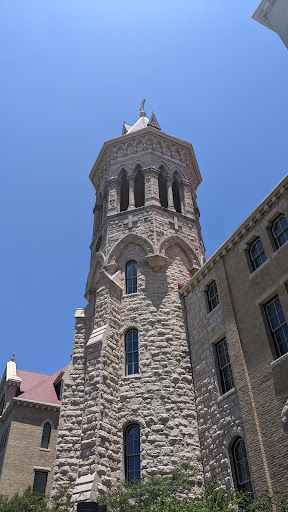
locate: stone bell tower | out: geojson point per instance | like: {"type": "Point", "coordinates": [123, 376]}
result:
{"type": "Point", "coordinates": [128, 405]}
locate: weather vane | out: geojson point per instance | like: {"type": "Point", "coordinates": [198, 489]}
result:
{"type": "Point", "coordinates": [13, 357]}
{"type": "Point", "coordinates": [142, 111]}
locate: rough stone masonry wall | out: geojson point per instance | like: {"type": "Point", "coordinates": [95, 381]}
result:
{"type": "Point", "coordinates": [219, 415]}
{"type": "Point", "coordinates": [152, 223]}
{"type": "Point", "coordinates": [161, 397]}
{"type": "Point", "coordinates": [100, 444]}
{"type": "Point", "coordinates": [70, 421]}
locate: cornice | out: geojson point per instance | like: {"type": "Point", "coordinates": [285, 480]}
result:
{"type": "Point", "coordinates": [261, 12]}
{"type": "Point", "coordinates": [267, 204]}
{"type": "Point", "coordinates": [35, 403]}
{"type": "Point", "coordinates": [180, 152]}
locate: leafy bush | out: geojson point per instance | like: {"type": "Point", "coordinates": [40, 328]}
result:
{"type": "Point", "coordinates": [31, 501]}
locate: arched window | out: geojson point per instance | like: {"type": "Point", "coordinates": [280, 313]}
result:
{"type": "Point", "coordinates": [176, 195]}
{"type": "Point", "coordinates": [131, 350]}
{"type": "Point", "coordinates": [46, 435]}
{"type": "Point", "coordinates": [132, 454]}
{"type": "Point", "coordinates": [162, 184]}
{"type": "Point", "coordinates": [257, 254]}
{"type": "Point", "coordinates": [242, 471]}
{"type": "Point", "coordinates": [139, 191]}
{"type": "Point", "coordinates": [131, 277]}
{"type": "Point", "coordinates": [280, 230]}
{"type": "Point", "coordinates": [124, 193]}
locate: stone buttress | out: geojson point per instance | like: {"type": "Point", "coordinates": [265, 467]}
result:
{"type": "Point", "coordinates": [146, 212]}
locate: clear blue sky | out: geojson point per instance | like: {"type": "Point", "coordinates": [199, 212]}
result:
{"type": "Point", "coordinates": [71, 73]}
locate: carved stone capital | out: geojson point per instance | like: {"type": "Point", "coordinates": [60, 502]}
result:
{"type": "Point", "coordinates": [111, 268]}
{"type": "Point", "coordinates": [156, 261]}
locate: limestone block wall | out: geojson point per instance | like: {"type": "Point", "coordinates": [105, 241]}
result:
{"type": "Point", "coordinates": [70, 422]}
{"type": "Point", "coordinates": [23, 449]}
{"type": "Point", "coordinates": [219, 415]}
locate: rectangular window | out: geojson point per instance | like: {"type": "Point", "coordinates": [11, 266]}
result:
{"type": "Point", "coordinates": [40, 481]}
{"type": "Point", "coordinates": [213, 297]}
{"type": "Point", "coordinates": [224, 365]}
{"type": "Point", "coordinates": [278, 326]}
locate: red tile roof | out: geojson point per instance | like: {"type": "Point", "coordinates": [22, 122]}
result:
{"type": "Point", "coordinates": [38, 386]}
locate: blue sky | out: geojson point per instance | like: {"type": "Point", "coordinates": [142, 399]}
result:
{"type": "Point", "coordinates": [71, 73]}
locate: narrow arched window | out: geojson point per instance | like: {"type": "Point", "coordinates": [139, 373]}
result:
{"type": "Point", "coordinates": [176, 195]}
{"type": "Point", "coordinates": [162, 184]}
{"type": "Point", "coordinates": [131, 350]}
{"type": "Point", "coordinates": [124, 193]}
{"type": "Point", "coordinates": [139, 189]}
{"type": "Point", "coordinates": [132, 454]}
{"type": "Point", "coordinates": [131, 277]}
{"type": "Point", "coordinates": [242, 471]}
{"type": "Point", "coordinates": [280, 230]}
{"type": "Point", "coordinates": [46, 435]}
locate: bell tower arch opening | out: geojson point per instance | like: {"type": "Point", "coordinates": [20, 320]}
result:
{"type": "Point", "coordinates": [139, 190]}
{"type": "Point", "coordinates": [176, 194]}
{"type": "Point", "coordinates": [162, 184]}
{"type": "Point", "coordinates": [124, 192]}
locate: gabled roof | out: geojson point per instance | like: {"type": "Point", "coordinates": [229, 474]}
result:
{"type": "Point", "coordinates": [39, 387]}
{"type": "Point", "coordinates": [142, 122]}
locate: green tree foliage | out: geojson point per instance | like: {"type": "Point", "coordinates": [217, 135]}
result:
{"type": "Point", "coordinates": [174, 493]}
{"type": "Point", "coordinates": [31, 501]}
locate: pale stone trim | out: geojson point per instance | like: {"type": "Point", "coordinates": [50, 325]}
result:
{"type": "Point", "coordinates": [231, 391]}
{"type": "Point", "coordinates": [41, 468]}
{"type": "Point", "coordinates": [233, 240]}
{"type": "Point", "coordinates": [279, 360]}
{"type": "Point", "coordinates": [47, 421]}
{"type": "Point", "coordinates": [98, 335]}
{"type": "Point", "coordinates": [35, 403]}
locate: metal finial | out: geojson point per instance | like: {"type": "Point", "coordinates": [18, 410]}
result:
{"type": "Point", "coordinates": [13, 357]}
{"type": "Point", "coordinates": [142, 111]}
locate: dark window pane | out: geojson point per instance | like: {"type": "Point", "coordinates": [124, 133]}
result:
{"type": "Point", "coordinates": [40, 481]}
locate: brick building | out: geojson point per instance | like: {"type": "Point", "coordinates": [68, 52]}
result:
{"type": "Point", "coordinates": [29, 414]}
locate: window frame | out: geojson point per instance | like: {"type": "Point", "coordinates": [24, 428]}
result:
{"type": "Point", "coordinates": [283, 231]}
{"type": "Point", "coordinates": [46, 436]}
{"type": "Point", "coordinates": [133, 454]}
{"type": "Point", "coordinates": [240, 485]}
{"type": "Point", "coordinates": [133, 279]}
{"type": "Point", "coordinates": [273, 331]}
{"type": "Point", "coordinates": [133, 352]}
{"type": "Point", "coordinates": [221, 368]}
{"type": "Point", "coordinates": [215, 296]}
{"type": "Point", "coordinates": [253, 259]}
{"type": "Point", "coordinates": [41, 490]}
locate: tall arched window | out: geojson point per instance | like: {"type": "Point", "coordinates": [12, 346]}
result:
{"type": "Point", "coordinates": [131, 277]}
{"type": "Point", "coordinates": [139, 191]}
{"type": "Point", "coordinates": [176, 195]}
{"type": "Point", "coordinates": [46, 435]}
{"type": "Point", "coordinates": [132, 454]}
{"type": "Point", "coordinates": [242, 471]}
{"type": "Point", "coordinates": [162, 190]}
{"type": "Point", "coordinates": [131, 351]}
{"type": "Point", "coordinates": [124, 193]}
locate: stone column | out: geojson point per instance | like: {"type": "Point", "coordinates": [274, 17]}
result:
{"type": "Point", "coordinates": [188, 208]}
{"type": "Point", "coordinates": [112, 186]}
{"type": "Point", "coordinates": [170, 194]}
{"type": "Point", "coordinates": [131, 204]}
{"type": "Point", "coordinates": [104, 207]}
{"type": "Point", "coordinates": [151, 186]}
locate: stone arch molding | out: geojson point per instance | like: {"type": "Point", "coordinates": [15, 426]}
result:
{"type": "Point", "coordinates": [124, 242]}
{"type": "Point", "coordinates": [98, 259]}
{"type": "Point", "coordinates": [232, 434]}
{"type": "Point", "coordinates": [169, 241]}
{"type": "Point", "coordinates": [47, 421]}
